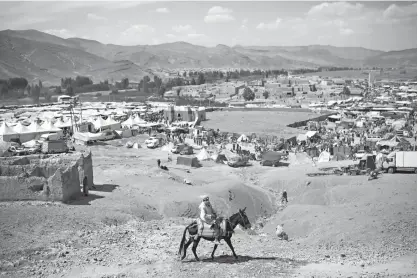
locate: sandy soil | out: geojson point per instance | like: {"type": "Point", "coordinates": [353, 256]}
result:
{"type": "Point", "coordinates": [131, 224]}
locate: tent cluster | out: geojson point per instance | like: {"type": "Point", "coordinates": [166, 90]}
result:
{"type": "Point", "coordinates": [26, 133]}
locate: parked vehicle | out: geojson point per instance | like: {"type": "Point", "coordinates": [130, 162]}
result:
{"type": "Point", "coordinates": [107, 135]}
{"type": "Point", "coordinates": [18, 151]}
{"type": "Point", "coordinates": [152, 142]}
{"type": "Point", "coordinates": [177, 148]}
{"type": "Point", "coordinates": [401, 161]}
{"type": "Point", "coordinates": [359, 154]}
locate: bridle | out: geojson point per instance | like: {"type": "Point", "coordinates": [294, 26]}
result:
{"type": "Point", "coordinates": [243, 219]}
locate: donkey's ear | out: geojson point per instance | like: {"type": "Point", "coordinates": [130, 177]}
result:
{"type": "Point", "coordinates": [244, 209]}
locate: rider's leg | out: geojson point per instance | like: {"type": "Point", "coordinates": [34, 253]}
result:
{"type": "Point", "coordinates": [217, 235]}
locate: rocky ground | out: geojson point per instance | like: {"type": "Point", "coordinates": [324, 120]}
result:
{"type": "Point", "coordinates": [132, 222]}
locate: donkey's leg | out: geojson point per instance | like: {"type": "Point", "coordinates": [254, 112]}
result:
{"type": "Point", "coordinates": [214, 249]}
{"type": "Point", "coordinates": [228, 241]}
{"type": "Point", "coordinates": [186, 246]}
{"type": "Point", "coordinates": [195, 244]}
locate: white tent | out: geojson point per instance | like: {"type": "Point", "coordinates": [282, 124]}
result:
{"type": "Point", "coordinates": [168, 147]}
{"type": "Point", "coordinates": [99, 123]}
{"type": "Point", "coordinates": [243, 137]}
{"type": "Point", "coordinates": [324, 157]}
{"type": "Point", "coordinates": [49, 127]}
{"type": "Point", "coordinates": [36, 128]}
{"type": "Point", "coordinates": [24, 133]}
{"type": "Point", "coordinates": [21, 129]}
{"type": "Point", "coordinates": [112, 123]}
{"type": "Point", "coordinates": [138, 120]}
{"type": "Point", "coordinates": [62, 124]}
{"type": "Point", "coordinates": [6, 133]}
{"type": "Point", "coordinates": [203, 155]}
{"type": "Point", "coordinates": [128, 123]}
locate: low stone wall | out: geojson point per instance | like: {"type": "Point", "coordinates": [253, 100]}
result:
{"type": "Point", "coordinates": [15, 188]}
{"type": "Point", "coordinates": [45, 177]}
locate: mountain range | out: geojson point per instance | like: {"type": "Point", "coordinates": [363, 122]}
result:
{"type": "Point", "coordinates": [36, 55]}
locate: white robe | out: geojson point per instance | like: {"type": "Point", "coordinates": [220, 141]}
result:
{"type": "Point", "coordinates": [206, 213]}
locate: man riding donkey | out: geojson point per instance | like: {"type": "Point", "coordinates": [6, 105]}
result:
{"type": "Point", "coordinates": [208, 216]}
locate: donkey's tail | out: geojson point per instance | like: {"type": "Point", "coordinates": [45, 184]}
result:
{"type": "Point", "coordinates": [184, 237]}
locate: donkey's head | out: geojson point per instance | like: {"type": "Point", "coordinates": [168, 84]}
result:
{"type": "Point", "coordinates": [243, 219]}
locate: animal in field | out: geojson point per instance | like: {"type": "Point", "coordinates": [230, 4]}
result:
{"type": "Point", "coordinates": [196, 233]}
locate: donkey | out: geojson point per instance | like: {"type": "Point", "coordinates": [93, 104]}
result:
{"type": "Point", "coordinates": [238, 218]}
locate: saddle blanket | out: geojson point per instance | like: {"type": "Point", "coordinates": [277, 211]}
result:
{"type": "Point", "coordinates": [204, 229]}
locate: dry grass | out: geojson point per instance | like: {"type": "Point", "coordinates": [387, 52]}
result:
{"type": "Point", "coordinates": [260, 122]}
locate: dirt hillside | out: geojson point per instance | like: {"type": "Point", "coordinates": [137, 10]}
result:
{"type": "Point", "coordinates": [132, 222]}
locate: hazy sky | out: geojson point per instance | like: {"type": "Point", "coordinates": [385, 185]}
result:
{"type": "Point", "coordinates": [377, 25]}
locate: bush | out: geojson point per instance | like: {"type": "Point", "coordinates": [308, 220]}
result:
{"type": "Point", "coordinates": [98, 94]}
{"type": "Point", "coordinates": [248, 94]}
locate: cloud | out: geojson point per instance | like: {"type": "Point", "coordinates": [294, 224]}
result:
{"type": "Point", "coordinates": [182, 28]}
{"type": "Point", "coordinates": [138, 29]}
{"type": "Point", "coordinates": [95, 16]}
{"type": "Point", "coordinates": [395, 12]}
{"type": "Point", "coordinates": [335, 9]}
{"type": "Point", "coordinates": [269, 26]}
{"type": "Point", "coordinates": [171, 36]}
{"type": "Point", "coordinates": [244, 21]}
{"type": "Point", "coordinates": [346, 31]}
{"type": "Point", "coordinates": [219, 10]}
{"type": "Point", "coordinates": [162, 10]}
{"type": "Point", "coordinates": [63, 33]}
{"type": "Point", "coordinates": [218, 14]}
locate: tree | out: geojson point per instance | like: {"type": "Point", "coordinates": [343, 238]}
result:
{"type": "Point", "coordinates": [29, 90]}
{"type": "Point", "coordinates": [184, 74]}
{"type": "Point", "coordinates": [17, 83]}
{"type": "Point", "coordinates": [57, 90]}
{"type": "Point", "coordinates": [81, 81]}
{"type": "Point", "coordinates": [125, 83]}
{"type": "Point", "coordinates": [145, 81]}
{"type": "Point", "coordinates": [70, 91]}
{"type": "Point", "coordinates": [161, 91]}
{"type": "Point", "coordinates": [266, 94]}
{"type": "Point", "coordinates": [36, 92]}
{"type": "Point", "coordinates": [293, 91]}
{"type": "Point", "coordinates": [193, 81]}
{"type": "Point", "coordinates": [248, 94]}
{"type": "Point", "coordinates": [346, 91]}
{"type": "Point", "coordinates": [201, 79]}
{"type": "Point", "coordinates": [221, 74]}
{"type": "Point", "coordinates": [178, 92]}
{"type": "Point", "coordinates": [40, 84]}
{"type": "Point", "coordinates": [157, 81]}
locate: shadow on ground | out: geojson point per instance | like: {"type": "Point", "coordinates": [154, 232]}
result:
{"type": "Point", "coordinates": [104, 187]}
{"type": "Point", "coordinates": [242, 259]}
{"type": "Point", "coordinates": [84, 200]}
